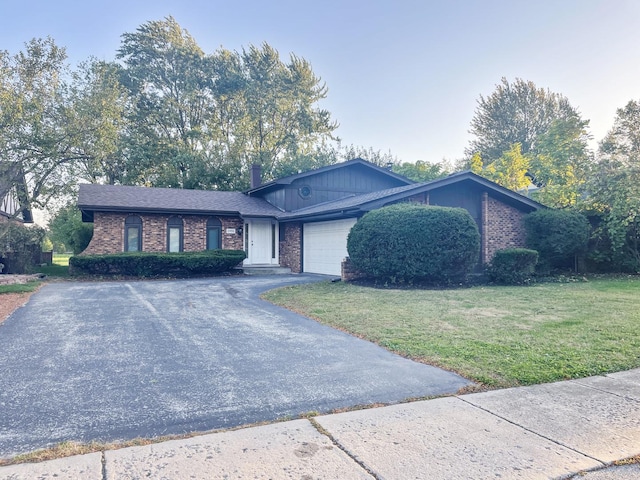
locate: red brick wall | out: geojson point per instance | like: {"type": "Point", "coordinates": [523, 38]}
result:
{"type": "Point", "coordinates": [290, 247]}
{"type": "Point", "coordinates": [503, 227]}
{"type": "Point", "coordinates": [108, 233]}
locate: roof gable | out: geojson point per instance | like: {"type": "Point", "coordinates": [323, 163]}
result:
{"type": "Point", "coordinates": [370, 167]}
{"type": "Point", "coordinates": [334, 182]}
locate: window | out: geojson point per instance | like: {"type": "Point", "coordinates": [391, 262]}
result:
{"type": "Point", "coordinates": [133, 234]}
{"type": "Point", "coordinates": [214, 234]}
{"type": "Point", "coordinates": [305, 191]}
{"type": "Point", "coordinates": [174, 234]}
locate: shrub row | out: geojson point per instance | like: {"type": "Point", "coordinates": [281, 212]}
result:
{"type": "Point", "coordinates": [157, 264]}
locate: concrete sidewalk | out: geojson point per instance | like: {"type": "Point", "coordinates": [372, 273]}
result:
{"type": "Point", "coordinates": [545, 431]}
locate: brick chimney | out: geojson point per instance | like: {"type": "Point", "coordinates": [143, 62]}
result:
{"type": "Point", "coordinates": [256, 174]}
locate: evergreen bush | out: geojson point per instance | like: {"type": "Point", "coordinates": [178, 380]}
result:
{"type": "Point", "coordinates": [512, 266]}
{"type": "Point", "coordinates": [415, 243]}
{"type": "Point", "coordinates": [143, 264]}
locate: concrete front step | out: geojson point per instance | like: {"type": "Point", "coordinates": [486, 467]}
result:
{"type": "Point", "coordinates": [265, 270]}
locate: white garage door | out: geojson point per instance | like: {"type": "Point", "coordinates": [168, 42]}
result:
{"type": "Point", "coordinates": [325, 245]}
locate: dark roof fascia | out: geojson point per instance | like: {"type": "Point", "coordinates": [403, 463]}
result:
{"type": "Point", "coordinates": [182, 211]}
{"type": "Point", "coordinates": [89, 209]}
{"type": "Point", "coordinates": [356, 161]}
{"type": "Point", "coordinates": [326, 215]}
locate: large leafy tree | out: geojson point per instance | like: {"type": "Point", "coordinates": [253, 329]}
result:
{"type": "Point", "coordinates": [99, 106]}
{"type": "Point", "coordinates": [516, 112]}
{"type": "Point", "coordinates": [201, 121]}
{"type": "Point", "coordinates": [164, 114]}
{"type": "Point", "coordinates": [560, 163]}
{"type": "Point", "coordinates": [615, 185]}
{"type": "Point", "coordinates": [281, 119]}
{"type": "Point", "coordinates": [164, 72]}
{"type": "Point", "coordinates": [36, 137]}
{"type": "Point", "coordinates": [551, 135]}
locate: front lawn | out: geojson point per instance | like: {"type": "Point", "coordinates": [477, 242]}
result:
{"type": "Point", "coordinates": [20, 287]}
{"type": "Point", "coordinates": [498, 336]}
{"type": "Point", "coordinates": [59, 268]}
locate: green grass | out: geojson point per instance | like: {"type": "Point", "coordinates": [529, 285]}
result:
{"type": "Point", "coordinates": [62, 259]}
{"type": "Point", "coordinates": [59, 268]}
{"type": "Point", "coordinates": [19, 287]}
{"type": "Point", "coordinates": [498, 336]}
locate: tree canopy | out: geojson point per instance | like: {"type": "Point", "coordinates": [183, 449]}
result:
{"type": "Point", "coordinates": [36, 138]}
{"type": "Point", "coordinates": [421, 171]}
{"type": "Point", "coordinates": [528, 135]}
{"type": "Point", "coordinates": [615, 185]}
{"type": "Point", "coordinates": [201, 120]}
{"type": "Point", "coordinates": [164, 113]}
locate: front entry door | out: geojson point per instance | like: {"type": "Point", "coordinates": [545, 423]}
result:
{"type": "Point", "coordinates": [260, 238]}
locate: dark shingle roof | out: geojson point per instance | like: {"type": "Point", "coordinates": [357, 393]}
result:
{"type": "Point", "coordinates": [142, 199]}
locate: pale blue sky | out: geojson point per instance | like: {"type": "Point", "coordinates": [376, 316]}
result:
{"type": "Point", "coordinates": [403, 75]}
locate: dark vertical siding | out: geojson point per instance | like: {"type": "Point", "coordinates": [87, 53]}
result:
{"type": "Point", "coordinates": [332, 185]}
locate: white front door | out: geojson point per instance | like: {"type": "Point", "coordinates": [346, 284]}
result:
{"type": "Point", "coordinates": [261, 242]}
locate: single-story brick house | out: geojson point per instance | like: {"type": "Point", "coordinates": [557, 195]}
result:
{"type": "Point", "coordinates": [300, 222]}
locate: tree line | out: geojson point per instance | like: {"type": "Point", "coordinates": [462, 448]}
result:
{"type": "Point", "coordinates": [534, 141]}
{"type": "Point", "coordinates": [165, 113]}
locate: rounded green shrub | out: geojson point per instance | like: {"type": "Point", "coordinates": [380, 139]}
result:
{"type": "Point", "coordinates": [557, 235]}
{"type": "Point", "coordinates": [409, 243]}
{"type": "Point", "coordinates": [512, 266]}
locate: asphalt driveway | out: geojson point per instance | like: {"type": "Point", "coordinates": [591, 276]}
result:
{"type": "Point", "coordinates": [118, 360]}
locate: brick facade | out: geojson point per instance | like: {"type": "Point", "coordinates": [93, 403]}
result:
{"type": "Point", "coordinates": [502, 227]}
{"type": "Point", "coordinates": [348, 272]}
{"type": "Point", "coordinates": [108, 233]}
{"type": "Point", "coordinates": [290, 245]}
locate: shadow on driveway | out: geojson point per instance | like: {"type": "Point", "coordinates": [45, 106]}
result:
{"type": "Point", "coordinates": [118, 360]}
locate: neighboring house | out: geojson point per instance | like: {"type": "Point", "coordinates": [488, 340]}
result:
{"type": "Point", "coordinates": [301, 221]}
{"type": "Point", "coordinates": [13, 194]}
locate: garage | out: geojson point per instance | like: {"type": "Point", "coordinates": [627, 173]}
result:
{"type": "Point", "coordinates": [325, 245]}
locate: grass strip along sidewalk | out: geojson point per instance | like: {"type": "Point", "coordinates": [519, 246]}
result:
{"type": "Point", "coordinates": [498, 336]}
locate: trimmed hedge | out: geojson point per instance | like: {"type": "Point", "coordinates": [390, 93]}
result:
{"type": "Point", "coordinates": [409, 242]}
{"type": "Point", "coordinates": [513, 266]}
{"type": "Point", "coordinates": [143, 264]}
